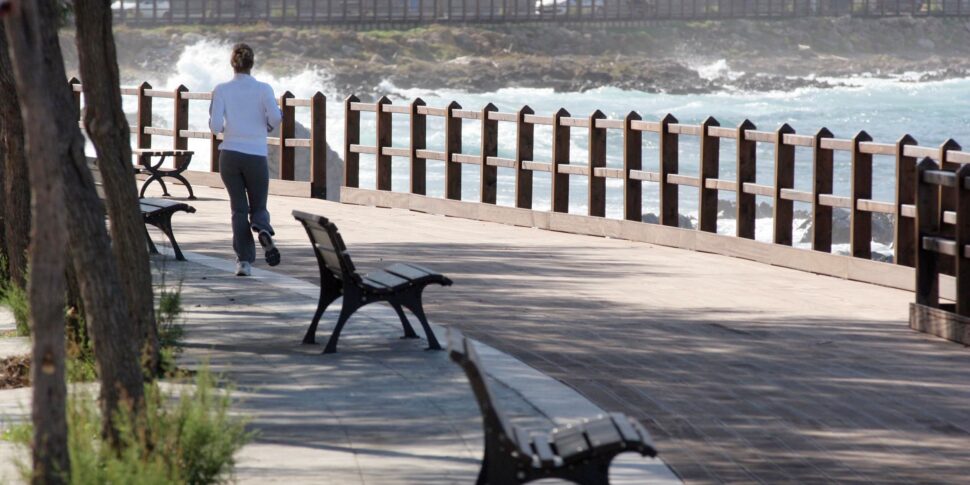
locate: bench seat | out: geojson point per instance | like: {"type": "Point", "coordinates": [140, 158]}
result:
{"type": "Point", "coordinates": [580, 453]}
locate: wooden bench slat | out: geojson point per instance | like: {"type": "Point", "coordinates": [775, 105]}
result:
{"type": "Point", "coordinates": [570, 442]}
{"type": "Point", "coordinates": [540, 444]}
{"type": "Point", "coordinates": [624, 427]}
{"type": "Point", "coordinates": [602, 433]}
{"type": "Point", "coordinates": [384, 280]}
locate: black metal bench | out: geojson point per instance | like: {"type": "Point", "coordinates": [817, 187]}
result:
{"type": "Point", "coordinates": [400, 285]}
{"type": "Point", "coordinates": [154, 211]}
{"type": "Point", "coordinates": [158, 212]}
{"type": "Point", "coordinates": [155, 172]}
{"type": "Point", "coordinates": [579, 453]}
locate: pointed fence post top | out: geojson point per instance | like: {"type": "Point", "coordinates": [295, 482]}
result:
{"type": "Point", "coordinates": [710, 121]}
{"type": "Point", "coordinates": [824, 132]}
{"type": "Point", "coordinates": [561, 113]}
{"type": "Point", "coordinates": [668, 119]}
{"type": "Point", "coordinates": [632, 116]}
{"type": "Point", "coordinates": [181, 89]}
{"type": "Point", "coordinates": [352, 99]}
{"type": "Point", "coordinates": [452, 106]}
{"type": "Point", "coordinates": [525, 110]}
{"type": "Point", "coordinates": [489, 107]}
{"type": "Point", "coordinates": [383, 100]}
{"type": "Point", "coordinates": [144, 85]}
{"type": "Point", "coordinates": [949, 144]}
{"type": "Point", "coordinates": [927, 163]}
{"type": "Point", "coordinates": [861, 136]}
{"type": "Point", "coordinates": [417, 102]}
{"type": "Point", "coordinates": [786, 129]}
{"type": "Point", "coordinates": [907, 139]}
{"type": "Point", "coordinates": [746, 124]}
{"type": "Point", "coordinates": [318, 96]}
{"type": "Point", "coordinates": [597, 115]}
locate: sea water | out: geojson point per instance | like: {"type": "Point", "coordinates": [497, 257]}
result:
{"type": "Point", "coordinates": [884, 107]}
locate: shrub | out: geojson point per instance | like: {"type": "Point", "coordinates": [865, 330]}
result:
{"type": "Point", "coordinates": [15, 298]}
{"type": "Point", "coordinates": [187, 439]}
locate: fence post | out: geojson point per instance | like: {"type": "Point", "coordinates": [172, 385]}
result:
{"type": "Point", "coordinates": [489, 173]}
{"type": "Point", "coordinates": [76, 96]}
{"type": "Point", "coordinates": [747, 161]}
{"type": "Point", "coordinates": [669, 164]}
{"type": "Point", "coordinates": [144, 117]}
{"type": "Point", "coordinates": [351, 137]}
{"type": "Point", "coordinates": [318, 145]}
{"type": "Point", "coordinates": [597, 159]}
{"type": "Point", "coordinates": [948, 200]}
{"type": "Point", "coordinates": [523, 151]}
{"type": "Point", "coordinates": [708, 168]}
{"type": "Point", "coordinates": [418, 142]}
{"type": "Point", "coordinates": [560, 156]}
{"type": "Point", "coordinates": [181, 119]}
{"type": "Point", "coordinates": [452, 146]}
{"type": "Point", "coordinates": [904, 244]}
{"type": "Point", "coordinates": [927, 223]}
{"type": "Point", "coordinates": [962, 238]}
{"type": "Point", "coordinates": [860, 222]}
{"type": "Point", "coordinates": [383, 139]}
{"type": "Point", "coordinates": [822, 169]}
{"type": "Point", "coordinates": [784, 179]}
{"type": "Point", "coordinates": [287, 131]}
{"type": "Point", "coordinates": [632, 160]}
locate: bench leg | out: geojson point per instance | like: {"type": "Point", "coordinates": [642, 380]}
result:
{"type": "Point", "coordinates": [153, 178]}
{"type": "Point", "coordinates": [408, 329]}
{"type": "Point", "coordinates": [413, 303]}
{"type": "Point", "coordinates": [327, 296]}
{"type": "Point", "coordinates": [151, 244]}
{"type": "Point", "coordinates": [165, 224]}
{"type": "Point", "coordinates": [180, 178]}
{"type": "Point", "coordinates": [345, 312]}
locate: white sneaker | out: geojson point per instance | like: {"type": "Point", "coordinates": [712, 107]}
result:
{"type": "Point", "coordinates": [243, 268]}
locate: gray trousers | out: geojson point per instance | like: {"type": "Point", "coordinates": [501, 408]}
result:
{"type": "Point", "coordinates": [247, 179]}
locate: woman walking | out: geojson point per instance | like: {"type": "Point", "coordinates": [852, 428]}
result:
{"type": "Point", "coordinates": [245, 110]}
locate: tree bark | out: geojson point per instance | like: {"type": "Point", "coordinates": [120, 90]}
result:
{"type": "Point", "coordinates": [105, 304]}
{"type": "Point", "coordinates": [16, 186]}
{"type": "Point", "coordinates": [107, 127]}
{"type": "Point", "coordinates": [47, 149]}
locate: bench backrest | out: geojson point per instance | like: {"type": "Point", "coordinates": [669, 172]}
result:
{"type": "Point", "coordinates": [462, 351]}
{"type": "Point", "coordinates": [329, 247]}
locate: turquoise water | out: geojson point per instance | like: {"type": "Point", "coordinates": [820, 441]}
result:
{"type": "Point", "coordinates": [885, 108]}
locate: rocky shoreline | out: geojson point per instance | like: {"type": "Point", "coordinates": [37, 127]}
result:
{"type": "Point", "coordinates": [665, 57]}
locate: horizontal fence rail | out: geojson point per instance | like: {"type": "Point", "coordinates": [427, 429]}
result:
{"type": "Point", "coordinates": [374, 12]}
{"type": "Point", "coordinates": [180, 97]}
{"type": "Point", "coordinates": [860, 148]}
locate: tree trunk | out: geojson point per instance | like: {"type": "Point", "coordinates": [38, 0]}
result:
{"type": "Point", "coordinates": [16, 186]}
{"type": "Point", "coordinates": [107, 128]}
{"type": "Point", "coordinates": [104, 301]}
{"type": "Point", "coordinates": [47, 149]}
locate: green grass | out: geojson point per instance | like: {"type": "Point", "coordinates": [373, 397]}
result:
{"type": "Point", "coordinates": [189, 439]}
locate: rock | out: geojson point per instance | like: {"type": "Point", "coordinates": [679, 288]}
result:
{"type": "Point", "coordinates": [882, 228]}
{"type": "Point", "coordinates": [683, 221]}
{"type": "Point", "coordinates": [190, 38]}
{"type": "Point", "coordinates": [335, 165]}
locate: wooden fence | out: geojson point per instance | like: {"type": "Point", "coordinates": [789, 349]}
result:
{"type": "Point", "coordinates": [860, 148]}
{"type": "Point", "coordinates": [379, 12]}
{"type": "Point", "coordinates": [942, 241]}
{"type": "Point", "coordinates": [180, 98]}
{"type": "Point", "coordinates": [909, 245]}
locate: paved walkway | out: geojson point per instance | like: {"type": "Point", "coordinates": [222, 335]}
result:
{"type": "Point", "coordinates": [744, 372]}
{"type": "Point", "coordinates": [381, 411]}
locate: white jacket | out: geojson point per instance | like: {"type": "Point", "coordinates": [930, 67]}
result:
{"type": "Point", "coordinates": [244, 110]}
